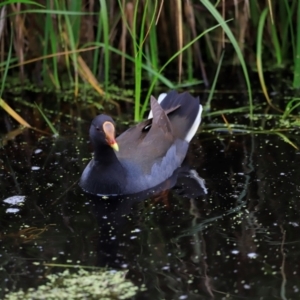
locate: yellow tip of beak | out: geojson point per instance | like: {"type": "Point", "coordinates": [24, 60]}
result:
{"type": "Point", "coordinates": [115, 146]}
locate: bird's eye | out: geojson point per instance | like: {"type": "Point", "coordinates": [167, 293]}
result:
{"type": "Point", "coordinates": [97, 128]}
{"type": "Point", "coordinates": [147, 127]}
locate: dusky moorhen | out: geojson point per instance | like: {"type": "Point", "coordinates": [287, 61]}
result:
{"type": "Point", "coordinates": [146, 154]}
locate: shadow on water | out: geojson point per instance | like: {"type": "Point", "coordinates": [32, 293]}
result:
{"type": "Point", "coordinates": [115, 212]}
{"type": "Point", "coordinates": [240, 240]}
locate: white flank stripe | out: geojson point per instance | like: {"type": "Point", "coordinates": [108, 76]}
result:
{"type": "Point", "coordinates": [195, 126]}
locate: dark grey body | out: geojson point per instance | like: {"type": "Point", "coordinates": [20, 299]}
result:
{"type": "Point", "coordinates": [149, 152]}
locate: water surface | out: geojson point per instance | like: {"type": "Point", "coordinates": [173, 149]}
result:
{"type": "Point", "coordinates": [238, 241]}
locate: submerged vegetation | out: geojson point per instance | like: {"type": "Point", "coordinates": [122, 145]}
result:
{"type": "Point", "coordinates": [84, 45]}
{"type": "Point", "coordinates": [81, 285]}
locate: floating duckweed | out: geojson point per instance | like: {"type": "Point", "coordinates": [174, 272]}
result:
{"type": "Point", "coordinates": [82, 285]}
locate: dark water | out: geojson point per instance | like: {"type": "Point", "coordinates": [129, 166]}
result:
{"type": "Point", "coordinates": [241, 240]}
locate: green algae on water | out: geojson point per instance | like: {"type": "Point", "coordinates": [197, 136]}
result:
{"type": "Point", "coordinates": [82, 285]}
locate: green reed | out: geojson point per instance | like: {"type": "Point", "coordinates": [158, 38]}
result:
{"type": "Point", "coordinates": [6, 65]}
{"type": "Point", "coordinates": [152, 47]}
{"type": "Point", "coordinates": [170, 60]}
{"type": "Point", "coordinates": [207, 106]}
{"type": "Point", "coordinates": [138, 55]}
{"type": "Point", "coordinates": [50, 46]}
{"type": "Point", "coordinates": [105, 33]}
{"type": "Point", "coordinates": [145, 38]}
{"type": "Point", "coordinates": [259, 52]}
{"type": "Point", "coordinates": [235, 45]}
{"type": "Point", "coordinates": [291, 106]}
{"type": "Point", "coordinates": [49, 123]}
{"type": "Point", "coordinates": [71, 40]}
{"type": "Point", "coordinates": [296, 81]}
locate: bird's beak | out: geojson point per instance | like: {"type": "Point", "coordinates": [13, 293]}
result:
{"type": "Point", "coordinates": [109, 130]}
{"type": "Point", "coordinates": [115, 146]}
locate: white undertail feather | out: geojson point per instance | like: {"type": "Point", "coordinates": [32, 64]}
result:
{"type": "Point", "coordinates": [160, 98]}
{"type": "Point", "coordinates": [195, 126]}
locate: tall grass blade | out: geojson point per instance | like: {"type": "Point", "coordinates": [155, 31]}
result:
{"type": "Point", "coordinates": [70, 40]}
{"type": "Point", "coordinates": [288, 36]}
{"type": "Point", "coordinates": [152, 50]}
{"type": "Point", "coordinates": [212, 90]}
{"type": "Point", "coordinates": [138, 55]}
{"type": "Point", "coordinates": [271, 11]}
{"type": "Point", "coordinates": [75, 20]}
{"type": "Point", "coordinates": [13, 113]}
{"type": "Point", "coordinates": [235, 44]}
{"type": "Point", "coordinates": [296, 81]}
{"type": "Point", "coordinates": [50, 36]}
{"type": "Point", "coordinates": [7, 62]}
{"type": "Point", "coordinates": [276, 45]}
{"type": "Point", "coordinates": [145, 104]}
{"type": "Point", "coordinates": [104, 24]}
{"type": "Point", "coordinates": [11, 135]}
{"type": "Point", "coordinates": [3, 3]}
{"type": "Point", "coordinates": [190, 16]}
{"type": "Point", "coordinates": [292, 105]}
{"type": "Point", "coordinates": [54, 131]}
{"type": "Point", "coordinates": [189, 62]}
{"type": "Point", "coordinates": [179, 32]}
{"type": "Point", "coordinates": [2, 20]}
{"type": "Point", "coordinates": [286, 139]}
{"type": "Point", "coordinates": [96, 60]}
{"type": "Point", "coordinates": [88, 76]}
{"type": "Point", "coordinates": [259, 51]}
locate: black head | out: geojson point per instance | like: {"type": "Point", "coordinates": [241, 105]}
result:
{"type": "Point", "coordinates": [102, 132]}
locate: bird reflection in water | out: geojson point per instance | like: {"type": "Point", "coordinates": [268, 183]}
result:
{"type": "Point", "coordinates": [114, 213]}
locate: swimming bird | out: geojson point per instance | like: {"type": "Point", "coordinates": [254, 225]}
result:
{"type": "Point", "coordinates": [146, 154]}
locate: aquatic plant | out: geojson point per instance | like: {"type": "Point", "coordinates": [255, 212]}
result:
{"type": "Point", "coordinates": [140, 29]}
{"type": "Point", "coordinates": [79, 45]}
{"type": "Point", "coordinates": [81, 285]}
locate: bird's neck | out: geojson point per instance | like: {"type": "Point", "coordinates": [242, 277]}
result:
{"type": "Point", "coordinates": [108, 171]}
{"type": "Point", "coordinates": [105, 155]}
